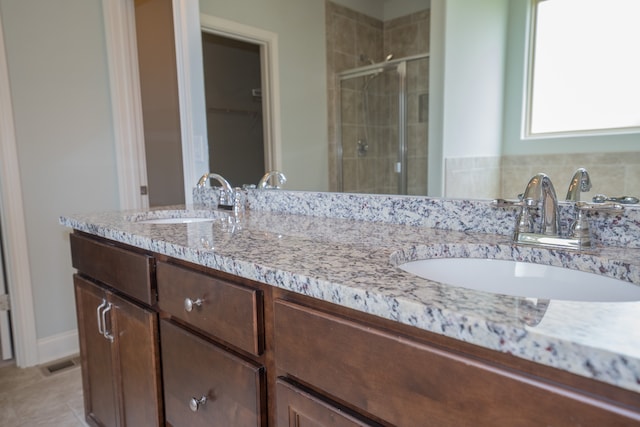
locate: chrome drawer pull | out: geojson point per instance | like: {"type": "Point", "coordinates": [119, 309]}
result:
{"type": "Point", "coordinates": [194, 404]}
{"type": "Point", "coordinates": [106, 333]}
{"type": "Point", "coordinates": [189, 304]}
{"type": "Point", "coordinates": [98, 315]}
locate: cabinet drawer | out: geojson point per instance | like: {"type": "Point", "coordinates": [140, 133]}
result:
{"type": "Point", "coordinates": [408, 383]}
{"type": "Point", "coordinates": [126, 271]}
{"type": "Point", "coordinates": [299, 408]}
{"type": "Point", "coordinates": [193, 368]}
{"type": "Point", "coordinates": [227, 311]}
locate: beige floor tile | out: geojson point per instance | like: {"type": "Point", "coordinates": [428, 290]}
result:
{"type": "Point", "coordinates": [30, 398]}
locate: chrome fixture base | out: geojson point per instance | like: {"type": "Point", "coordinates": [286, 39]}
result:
{"type": "Point", "coordinates": [543, 240]}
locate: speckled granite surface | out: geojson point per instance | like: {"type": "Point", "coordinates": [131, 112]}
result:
{"type": "Point", "coordinates": [324, 248]}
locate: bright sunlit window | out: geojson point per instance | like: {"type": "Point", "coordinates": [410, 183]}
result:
{"type": "Point", "coordinates": [585, 74]}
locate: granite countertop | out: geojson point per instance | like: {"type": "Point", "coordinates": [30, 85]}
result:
{"type": "Point", "coordinates": [353, 263]}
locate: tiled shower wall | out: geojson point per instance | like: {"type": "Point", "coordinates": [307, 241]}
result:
{"type": "Point", "coordinates": [351, 35]}
{"type": "Point", "coordinates": [613, 174]}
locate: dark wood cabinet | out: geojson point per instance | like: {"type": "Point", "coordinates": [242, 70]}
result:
{"type": "Point", "coordinates": [98, 367]}
{"type": "Point", "coordinates": [406, 382]}
{"type": "Point", "coordinates": [225, 310]}
{"type": "Point", "coordinates": [205, 385]}
{"type": "Point", "coordinates": [212, 343]}
{"type": "Point", "coordinates": [119, 342]}
{"type": "Point", "coordinates": [232, 352]}
{"type": "Point", "coordinates": [120, 358]}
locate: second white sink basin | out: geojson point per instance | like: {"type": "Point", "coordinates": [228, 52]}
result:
{"type": "Point", "coordinates": [186, 220]}
{"type": "Point", "coordinates": [523, 279]}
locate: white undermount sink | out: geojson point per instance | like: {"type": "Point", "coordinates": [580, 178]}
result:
{"type": "Point", "coordinates": [174, 220]}
{"type": "Point", "coordinates": [523, 279]}
{"type": "Point", "coordinates": [176, 216]}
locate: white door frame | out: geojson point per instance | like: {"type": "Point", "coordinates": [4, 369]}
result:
{"type": "Point", "coordinates": [188, 25]}
{"type": "Point", "coordinates": [125, 90]}
{"type": "Point", "coordinates": [14, 228]}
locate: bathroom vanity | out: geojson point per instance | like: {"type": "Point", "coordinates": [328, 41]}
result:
{"type": "Point", "coordinates": [281, 319]}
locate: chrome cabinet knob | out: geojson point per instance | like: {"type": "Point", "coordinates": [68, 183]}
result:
{"type": "Point", "coordinates": [190, 303]}
{"type": "Point", "coordinates": [195, 403]}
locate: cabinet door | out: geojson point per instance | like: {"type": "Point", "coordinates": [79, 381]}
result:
{"type": "Point", "coordinates": [136, 336]}
{"type": "Point", "coordinates": [297, 408]}
{"type": "Point", "coordinates": [98, 370]}
{"type": "Point", "coordinates": [205, 385]}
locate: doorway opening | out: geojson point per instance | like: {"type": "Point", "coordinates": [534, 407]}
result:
{"type": "Point", "coordinates": [233, 98]}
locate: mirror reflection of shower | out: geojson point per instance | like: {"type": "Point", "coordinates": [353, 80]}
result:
{"type": "Point", "coordinates": [383, 126]}
{"type": "Point", "coordinates": [363, 143]}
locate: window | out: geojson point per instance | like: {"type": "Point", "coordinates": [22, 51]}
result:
{"type": "Point", "coordinates": [585, 68]}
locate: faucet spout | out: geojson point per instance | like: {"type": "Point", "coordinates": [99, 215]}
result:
{"type": "Point", "coordinates": [580, 182]}
{"type": "Point", "coordinates": [226, 194]}
{"type": "Point", "coordinates": [540, 190]}
{"type": "Point", "coordinates": [264, 181]}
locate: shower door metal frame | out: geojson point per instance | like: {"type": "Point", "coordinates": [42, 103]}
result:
{"type": "Point", "coordinates": [400, 66]}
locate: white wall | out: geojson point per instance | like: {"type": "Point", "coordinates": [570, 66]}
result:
{"type": "Point", "coordinates": [475, 42]}
{"type": "Point", "coordinates": [303, 79]}
{"type": "Point", "coordinates": [58, 77]}
{"type": "Point", "coordinates": [466, 88]}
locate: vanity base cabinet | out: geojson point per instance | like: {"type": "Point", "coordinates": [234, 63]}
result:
{"type": "Point", "coordinates": [205, 385]}
{"type": "Point", "coordinates": [406, 382]}
{"type": "Point", "coordinates": [118, 333]}
{"type": "Point", "coordinates": [119, 358]}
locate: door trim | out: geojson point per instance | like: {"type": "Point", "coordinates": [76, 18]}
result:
{"type": "Point", "coordinates": [126, 103]}
{"type": "Point", "coordinates": [14, 228]}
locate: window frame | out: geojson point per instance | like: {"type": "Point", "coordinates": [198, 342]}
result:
{"type": "Point", "coordinates": [527, 133]}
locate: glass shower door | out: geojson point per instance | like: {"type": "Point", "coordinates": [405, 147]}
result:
{"type": "Point", "coordinates": [382, 127]}
{"type": "Point", "coordinates": [369, 126]}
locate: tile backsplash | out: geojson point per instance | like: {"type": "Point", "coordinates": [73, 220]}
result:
{"type": "Point", "coordinates": [613, 174]}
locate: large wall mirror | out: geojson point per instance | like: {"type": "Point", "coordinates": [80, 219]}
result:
{"type": "Point", "coordinates": [464, 67]}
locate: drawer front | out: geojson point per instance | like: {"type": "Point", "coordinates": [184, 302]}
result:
{"type": "Point", "coordinates": [192, 368]}
{"type": "Point", "coordinates": [411, 384]}
{"type": "Point", "coordinates": [298, 408]}
{"type": "Point", "coordinates": [227, 311]}
{"type": "Point", "coordinates": [126, 271]}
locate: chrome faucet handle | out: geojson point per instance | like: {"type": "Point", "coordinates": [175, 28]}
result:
{"type": "Point", "coordinates": [625, 200]}
{"type": "Point", "coordinates": [608, 207]}
{"type": "Point", "coordinates": [504, 203]}
{"type": "Point", "coordinates": [579, 228]}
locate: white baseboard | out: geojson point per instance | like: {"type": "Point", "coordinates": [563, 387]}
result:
{"type": "Point", "coordinates": [58, 346]}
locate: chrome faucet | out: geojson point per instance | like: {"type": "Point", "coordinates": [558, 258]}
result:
{"type": "Point", "coordinates": [540, 193]}
{"type": "Point", "coordinates": [264, 181]}
{"type": "Point", "coordinates": [581, 182]}
{"type": "Point", "coordinates": [227, 195]}
{"type": "Point", "coordinates": [539, 190]}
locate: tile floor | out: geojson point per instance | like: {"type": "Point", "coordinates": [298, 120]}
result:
{"type": "Point", "coordinates": [30, 398]}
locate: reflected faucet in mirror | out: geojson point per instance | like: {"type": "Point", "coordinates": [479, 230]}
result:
{"type": "Point", "coordinates": [271, 176]}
